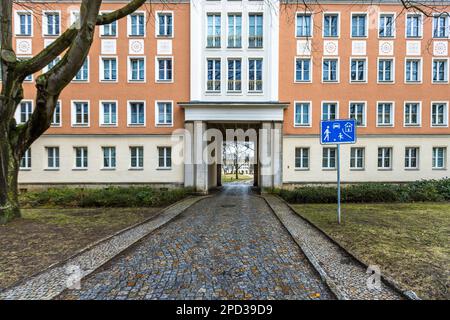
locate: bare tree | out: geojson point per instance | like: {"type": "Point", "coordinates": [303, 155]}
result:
{"type": "Point", "coordinates": [239, 152]}
{"type": "Point", "coordinates": [75, 43]}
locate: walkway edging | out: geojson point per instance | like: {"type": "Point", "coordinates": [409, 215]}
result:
{"type": "Point", "coordinates": [22, 289]}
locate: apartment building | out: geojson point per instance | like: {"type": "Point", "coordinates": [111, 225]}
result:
{"type": "Point", "coordinates": [262, 64]}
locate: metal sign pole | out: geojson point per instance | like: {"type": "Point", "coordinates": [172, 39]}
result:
{"type": "Point", "coordinates": [339, 182]}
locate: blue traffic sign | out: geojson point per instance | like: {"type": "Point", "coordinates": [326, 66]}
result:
{"type": "Point", "coordinates": [338, 131]}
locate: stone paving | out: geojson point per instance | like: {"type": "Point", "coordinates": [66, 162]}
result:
{"type": "Point", "coordinates": [230, 246]}
{"type": "Point", "coordinates": [54, 280]}
{"type": "Point", "coordinates": [343, 273]}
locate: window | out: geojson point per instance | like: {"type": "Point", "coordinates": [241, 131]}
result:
{"type": "Point", "coordinates": [80, 115]}
{"type": "Point", "coordinates": [25, 162]}
{"type": "Point", "coordinates": [384, 158]}
{"type": "Point", "coordinates": [413, 26]}
{"type": "Point", "coordinates": [56, 120]}
{"type": "Point", "coordinates": [329, 158]}
{"type": "Point", "coordinates": [214, 75]}
{"type": "Point", "coordinates": [136, 114]}
{"type": "Point", "coordinates": [234, 30]}
{"type": "Point", "coordinates": [302, 114]}
{"type": "Point", "coordinates": [413, 72]}
{"type": "Point", "coordinates": [358, 70]}
{"type": "Point", "coordinates": [83, 73]}
{"type": "Point", "coordinates": [81, 157]}
{"type": "Point", "coordinates": [165, 24]}
{"type": "Point", "coordinates": [412, 114]}
{"type": "Point", "coordinates": [164, 157]}
{"type": "Point", "coordinates": [51, 64]}
{"type": "Point", "coordinates": [411, 158]}
{"type": "Point", "coordinates": [52, 157]}
{"type": "Point", "coordinates": [109, 157]}
{"type": "Point", "coordinates": [165, 71]}
{"type": "Point", "coordinates": [108, 113]}
{"type": "Point", "coordinates": [330, 70]}
{"type": "Point", "coordinates": [329, 110]}
{"type": "Point", "coordinates": [386, 25]}
{"type": "Point", "coordinates": [164, 114]}
{"type": "Point", "coordinates": [214, 31]}
{"type": "Point", "coordinates": [357, 158]}
{"type": "Point", "coordinates": [137, 157]}
{"type": "Point", "coordinates": [137, 69]}
{"type": "Point", "coordinates": [234, 75]}
{"type": "Point", "coordinates": [440, 26]}
{"type": "Point", "coordinates": [304, 25]}
{"type": "Point", "coordinates": [303, 70]}
{"type": "Point", "coordinates": [51, 23]}
{"type": "Point", "coordinates": [25, 111]}
{"type": "Point", "coordinates": [439, 114]}
{"type": "Point", "coordinates": [331, 25]}
{"type": "Point", "coordinates": [24, 25]}
{"type": "Point", "coordinates": [28, 78]}
{"type": "Point", "coordinates": [359, 25]}
{"type": "Point", "coordinates": [109, 72]}
{"type": "Point", "coordinates": [301, 158]}
{"type": "Point", "coordinates": [255, 34]}
{"type": "Point", "coordinates": [137, 24]}
{"type": "Point", "coordinates": [255, 81]}
{"type": "Point", "coordinates": [358, 112]}
{"type": "Point", "coordinates": [386, 70]}
{"type": "Point", "coordinates": [109, 30]}
{"type": "Point", "coordinates": [385, 114]}
{"type": "Point", "coordinates": [440, 70]}
{"type": "Point", "coordinates": [439, 157]}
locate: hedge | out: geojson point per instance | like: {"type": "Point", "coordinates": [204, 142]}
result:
{"type": "Point", "coordinates": [106, 197]}
{"type": "Point", "coordinates": [423, 190]}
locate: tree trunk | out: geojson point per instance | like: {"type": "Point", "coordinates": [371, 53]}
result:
{"type": "Point", "coordinates": [9, 170]}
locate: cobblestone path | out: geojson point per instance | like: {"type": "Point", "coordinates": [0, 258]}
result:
{"type": "Point", "coordinates": [230, 246]}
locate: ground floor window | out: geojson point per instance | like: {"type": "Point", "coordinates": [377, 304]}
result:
{"type": "Point", "coordinates": [137, 157]}
{"type": "Point", "coordinates": [52, 157]}
{"type": "Point", "coordinates": [411, 158]}
{"type": "Point", "coordinates": [25, 162]}
{"type": "Point", "coordinates": [357, 158]}
{"type": "Point", "coordinates": [81, 157]}
{"type": "Point", "coordinates": [109, 157]}
{"type": "Point", "coordinates": [329, 158]}
{"type": "Point", "coordinates": [301, 158]}
{"type": "Point", "coordinates": [439, 157]}
{"type": "Point", "coordinates": [384, 158]}
{"type": "Point", "coordinates": [165, 157]}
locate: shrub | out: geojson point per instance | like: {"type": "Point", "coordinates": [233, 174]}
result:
{"type": "Point", "coordinates": [423, 190]}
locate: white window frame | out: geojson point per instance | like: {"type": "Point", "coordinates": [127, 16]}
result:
{"type": "Point", "coordinates": [129, 124]}
{"type": "Point", "coordinates": [139, 155]}
{"type": "Point", "coordinates": [364, 124]}
{"type": "Point", "coordinates": [366, 70]}
{"type": "Point", "coordinates": [29, 78]}
{"type": "Point", "coordinates": [44, 23]}
{"type": "Point", "coordinates": [338, 14]}
{"type": "Point", "coordinates": [420, 36]}
{"type": "Point", "coordinates": [419, 114]}
{"type": "Point", "coordinates": [366, 32]}
{"type": "Point", "coordinates": [28, 161]}
{"type": "Point", "coordinates": [110, 157]}
{"type": "Point", "coordinates": [157, 13]}
{"type": "Point", "coordinates": [304, 14]}
{"type": "Point", "coordinates": [47, 69]}
{"type": "Point", "coordinates": [18, 113]}
{"type": "Point", "coordinates": [300, 125]}
{"type": "Point", "coordinates": [392, 71]}
{"type": "Point", "coordinates": [53, 168]}
{"type": "Point", "coordinates": [337, 109]}
{"type": "Point", "coordinates": [338, 71]}
{"type": "Point", "coordinates": [88, 73]}
{"type": "Point", "coordinates": [102, 73]}
{"type": "Point", "coordinates": [434, 25]}
{"type": "Point", "coordinates": [17, 14]}
{"type": "Point", "coordinates": [85, 155]}
{"type": "Point", "coordinates": [447, 71]}
{"type": "Point", "coordinates": [216, 44]}
{"type": "Point", "coordinates": [310, 58]}
{"type": "Point", "coordinates": [214, 80]}
{"type": "Point", "coordinates": [433, 158]}
{"type": "Point", "coordinates": [102, 113]}
{"type": "Point", "coordinates": [234, 90]}
{"type": "Point", "coordinates": [130, 69]}
{"type": "Point", "coordinates": [157, 124]}
{"type": "Point", "coordinates": [157, 58]}
{"type": "Point", "coordinates": [73, 113]}
{"type": "Point", "coordinates": [328, 168]}
{"type": "Point", "coordinates": [408, 158]}
{"type": "Point", "coordinates": [383, 157]}
{"type": "Point", "coordinates": [234, 34]}
{"type": "Point", "coordinates": [54, 124]}
{"type": "Point", "coordinates": [392, 124]}
{"type": "Point", "coordinates": [256, 91]}
{"type": "Point", "coordinates": [301, 167]}
{"type": "Point", "coordinates": [102, 28]}
{"type": "Point", "coordinates": [129, 35]}
{"type": "Point", "coordinates": [446, 103]}
{"type": "Point", "coordinates": [420, 59]}
{"type": "Point", "coordinates": [394, 25]}
{"type": "Point", "coordinates": [356, 167]}
{"type": "Point", "coordinates": [165, 167]}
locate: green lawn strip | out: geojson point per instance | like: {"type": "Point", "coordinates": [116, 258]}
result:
{"type": "Point", "coordinates": [232, 178]}
{"type": "Point", "coordinates": [409, 241]}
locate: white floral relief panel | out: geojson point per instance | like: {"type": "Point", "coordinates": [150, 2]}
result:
{"type": "Point", "coordinates": [386, 48]}
{"type": "Point", "coordinates": [359, 48]}
{"type": "Point", "coordinates": [440, 48]}
{"type": "Point", "coordinates": [304, 47]}
{"type": "Point", "coordinates": [331, 48]}
{"type": "Point", "coordinates": [136, 46]}
{"type": "Point", "coordinates": [413, 48]}
{"type": "Point", "coordinates": [24, 46]}
{"type": "Point", "coordinates": [109, 46]}
{"type": "Point", "coordinates": [164, 47]}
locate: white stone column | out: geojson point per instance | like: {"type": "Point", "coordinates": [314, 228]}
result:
{"type": "Point", "coordinates": [277, 154]}
{"type": "Point", "coordinates": [265, 156]}
{"type": "Point", "coordinates": [189, 170]}
{"type": "Point", "coordinates": [201, 168]}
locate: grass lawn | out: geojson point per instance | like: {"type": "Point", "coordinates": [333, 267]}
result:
{"type": "Point", "coordinates": [45, 236]}
{"type": "Point", "coordinates": [232, 178]}
{"type": "Point", "coordinates": [410, 242]}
